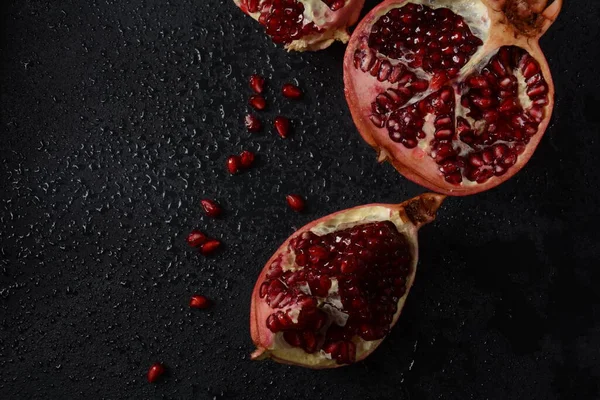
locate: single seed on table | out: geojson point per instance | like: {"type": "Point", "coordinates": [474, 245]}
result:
{"type": "Point", "coordinates": [257, 83]}
{"type": "Point", "coordinates": [252, 123]}
{"type": "Point", "coordinates": [282, 124]}
{"type": "Point", "coordinates": [291, 91]}
{"type": "Point", "coordinates": [199, 301]}
{"type": "Point", "coordinates": [210, 247]}
{"type": "Point", "coordinates": [258, 102]}
{"type": "Point", "coordinates": [211, 208]}
{"type": "Point", "coordinates": [233, 164]}
{"type": "Point", "coordinates": [155, 372]}
{"type": "Point", "coordinates": [295, 201]}
{"type": "Point", "coordinates": [196, 238]}
{"type": "Point", "coordinates": [247, 158]}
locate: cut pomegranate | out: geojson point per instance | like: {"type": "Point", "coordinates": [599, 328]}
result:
{"type": "Point", "coordinates": [456, 95]}
{"type": "Point", "coordinates": [334, 289]}
{"type": "Point", "coordinates": [196, 238]}
{"type": "Point", "coordinates": [282, 125]}
{"type": "Point", "coordinates": [199, 301]}
{"type": "Point", "coordinates": [252, 123]}
{"type": "Point", "coordinates": [156, 371]}
{"type": "Point", "coordinates": [258, 102]}
{"type": "Point", "coordinates": [233, 164]}
{"type": "Point", "coordinates": [247, 158]}
{"type": "Point", "coordinates": [295, 201]}
{"type": "Point", "coordinates": [210, 247]}
{"type": "Point", "coordinates": [211, 208]}
{"type": "Point", "coordinates": [304, 24]}
{"type": "Point", "coordinates": [291, 91]}
{"type": "Point", "coordinates": [257, 83]}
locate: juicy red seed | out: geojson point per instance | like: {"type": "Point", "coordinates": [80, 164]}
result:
{"type": "Point", "coordinates": [199, 301]}
{"type": "Point", "coordinates": [196, 238]}
{"type": "Point", "coordinates": [210, 247]}
{"type": "Point", "coordinates": [282, 125]}
{"type": "Point", "coordinates": [283, 20]}
{"type": "Point", "coordinates": [247, 158]}
{"type": "Point", "coordinates": [257, 83]}
{"type": "Point", "coordinates": [155, 372]}
{"type": "Point", "coordinates": [252, 123]}
{"type": "Point", "coordinates": [211, 208]}
{"type": "Point", "coordinates": [233, 164]}
{"type": "Point", "coordinates": [291, 91]}
{"type": "Point", "coordinates": [295, 201]}
{"type": "Point", "coordinates": [258, 102]}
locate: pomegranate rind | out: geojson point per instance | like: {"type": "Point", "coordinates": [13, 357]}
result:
{"type": "Point", "coordinates": [408, 161]}
{"type": "Point", "coordinates": [408, 218]}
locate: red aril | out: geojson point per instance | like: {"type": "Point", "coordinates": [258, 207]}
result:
{"type": "Point", "coordinates": [304, 24]}
{"type": "Point", "coordinates": [196, 238]}
{"type": "Point", "coordinates": [211, 208]}
{"type": "Point", "coordinates": [291, 91]}
{"type": "Point", "coordinates": [199, 301]}
{"type": "Point", "coordinates": [252, 123]}
{"type": "Point", "coordinates": [257, 83]}
{"type": "Point", "coordinates": [210, 247]}
{"type": "Point", "coordinates": [295, 201]}
{"type": "Point", "coordinates": [233, 164]}
{"type": "Point", "coordinates": [334, 289]}
{"type": "Point", "coordinates": [258, 102]}
{"type": "Point", "coordinates": [282, 125]}
{"type": "Point", "coordinates": [456, 95]}
{"type": "Point", "coordinates": [247, 158]}
{"type": "Point", "coordinates": [156, 371]}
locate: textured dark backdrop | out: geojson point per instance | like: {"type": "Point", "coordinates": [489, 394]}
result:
{"type": "Point", "coordinates": [116, 119]}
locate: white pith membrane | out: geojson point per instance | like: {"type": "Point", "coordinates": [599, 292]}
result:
{"type": "Point", "coordinates": [368, 87]}
{"type": "Point", "coordinates": [331, 304]}
{"type": "Point", "coordinates": [332, 24]}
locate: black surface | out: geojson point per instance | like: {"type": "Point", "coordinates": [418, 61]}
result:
{"type": "Point", "coordinates": [116, 119]}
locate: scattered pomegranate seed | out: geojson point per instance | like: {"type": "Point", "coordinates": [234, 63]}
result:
{"type": "Point", "coordinates": [196, 238]}
{"type": "Point", "coordinates": [211, 208]}
{"type": "Point", "coordinates": [252, 123]}
{"type": "Point", "coordinates": [155, 372]}
{"type": "Point", "coordinates": [198, 301]}
{"type": "Point", "coordinates": [257, 83]}
{"type": "Point", "coordinates": [233, 164]}
{"type": "Point", "coordinates": [282, 124]}
{"type": "Point", "coordinates": [247, 158]}
{"type": "Point", "coordinates": [210, 247]}
{"type": "Point", "coordinates": [258, 102]}
{"type": "Point", "coordinates": [295, 201]}
{"type": "Point", "coordinates": [291, 91]}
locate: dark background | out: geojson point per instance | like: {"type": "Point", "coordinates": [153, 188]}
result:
{"type": "Point", "coordinates": [117, 118]}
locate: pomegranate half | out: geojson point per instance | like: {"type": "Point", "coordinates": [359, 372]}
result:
{"type": "Point", "coordinates": [456, 94]}
{"type": "Point", "coordinates": [331, 293]}
{"type": "Point", "coordinates": [304, 24]}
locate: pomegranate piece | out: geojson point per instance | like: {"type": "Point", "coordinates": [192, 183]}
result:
{"type": "Point", "coordinates": [211, 208]}
{"type": "Point", "coordinates": [257, 83]}
{"type": "Point", "coordinates": [252, 123]}
{"type": "Point", "coordinates": [258, 102]}
{"type": "Point", "coordinates": [199, 301]}
{"type": "Point", "coordinates": [291, 91]}
{"type": "Point", "coordinates": [304, 24]}
{"type": "Point", "coordinates": [295, 201]}
{"type": "Point", "coordinates": [155, 372]}
{"type": "Point", "coordinates": [456, 95]}
{"type": "Point", "coordinates": [233, 164]}
{"type": "Point", "coordinates": [210, 247]}
{"type": "Point", "coordinates": [334, 289]}
{"type": "Point", "coordinates": [247, 158]}
{"type": "Point", "coordinates": [282, 125]}
{"type": "Point", "coordinates": [196, 238]}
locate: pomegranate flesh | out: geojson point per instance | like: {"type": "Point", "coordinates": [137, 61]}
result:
{"type": "Point", "coordinates": [455, 94]}
{"type": "Point", "coordinates": [304, 24]}
{"type": "Point", "coordinates": [332, 292]}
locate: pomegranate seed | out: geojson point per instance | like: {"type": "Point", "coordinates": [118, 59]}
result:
{"type": "Point", "coordinates": [155, 372]}
{"type": "Point", "coordinates": [291, 91]}
{"type": "Point", "coordinates": [247, 159]}
{"type": "Point", "coordinates": [210, 247]}
{"type": "Point", "coordinates": [282, 124]}
{"type": "Point", "coordinates": [196, 238]}
{"type": "Point", "coordinates": [211, 208]}
{"type": "Point", "coordinates": [252, 123]}
{"type": "Point", "coordinates": [258, 102]}
{"type": "Point", "coordinates": [257, 83]}
{"type": "Point", "coordinates": [296, 202]}
{"type": "Point", "coordinates": [199, 301]}
{"type": "Point", "coordinates": [233, 164]}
